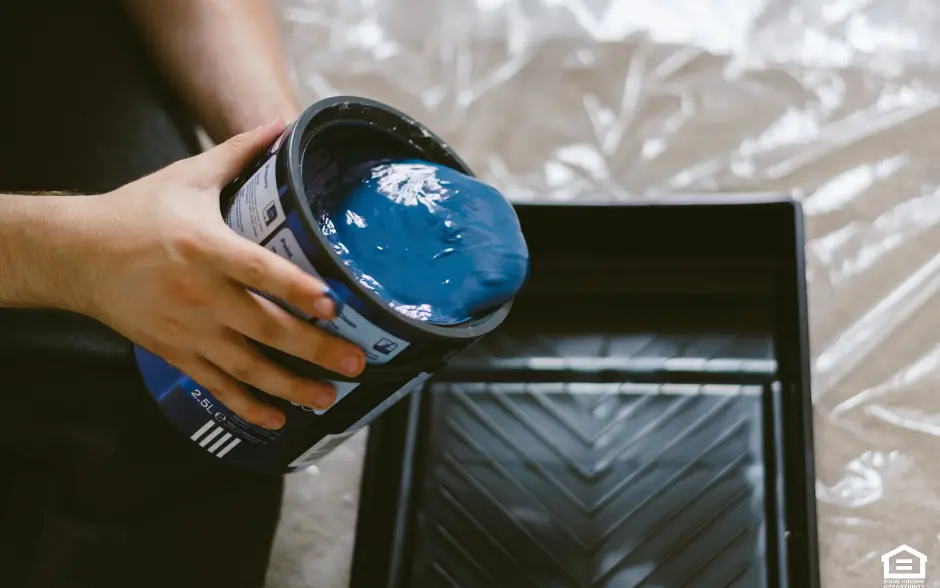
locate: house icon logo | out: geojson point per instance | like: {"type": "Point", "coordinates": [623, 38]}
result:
{"type": "Point", "coordinates": [904, 563]}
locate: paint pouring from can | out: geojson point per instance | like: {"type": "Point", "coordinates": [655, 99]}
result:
{"type": "Point", "coordinates": [267, 204]}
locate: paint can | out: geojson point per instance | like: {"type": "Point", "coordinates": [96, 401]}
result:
{"type": "Point", "coordinates": [268, 204]}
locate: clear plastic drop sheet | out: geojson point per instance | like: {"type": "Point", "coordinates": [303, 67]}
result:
{"type": "Point", "coordinates": [833, 101]}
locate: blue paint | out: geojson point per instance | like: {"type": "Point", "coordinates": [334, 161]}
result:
{"type": "Point", "coordinates": [437, 245]}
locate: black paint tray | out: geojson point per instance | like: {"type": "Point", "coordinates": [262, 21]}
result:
{"type": "Point", "coordinates": [642, 419]}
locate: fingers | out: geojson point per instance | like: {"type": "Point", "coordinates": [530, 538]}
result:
{"type": "Point", "coordinates": [238, 359]}
{"type": "Point", "coordinates": [259, 268]}
{"type": "Point", "coordinates": [229, 392]}
{"type": "Point", "coordinates": [222, 163]}
{"type": "Point", "coordinates": [269, 324]}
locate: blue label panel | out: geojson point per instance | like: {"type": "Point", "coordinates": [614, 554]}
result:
{"type": "Point", "coordinates": [219, 431]}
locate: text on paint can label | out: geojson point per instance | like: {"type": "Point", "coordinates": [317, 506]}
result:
{"type": "Point", "coordinates": [256, 210]}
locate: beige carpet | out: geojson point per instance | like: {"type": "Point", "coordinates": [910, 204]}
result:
{"type": "Point", "coordinates": [833, 101]}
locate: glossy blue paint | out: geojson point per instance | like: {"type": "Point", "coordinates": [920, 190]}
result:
{"type": "Point", "coordinates": [435, 244]}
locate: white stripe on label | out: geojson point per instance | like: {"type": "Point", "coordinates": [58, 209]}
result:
{"type": "Point", "coordinates": [208, 438]}
{"type": "Point", "coordinates": [229, 447]}
{"type": "Point", "coordinates": [201, 431]}
{"type": "Point", "coordinates": [220, 442]}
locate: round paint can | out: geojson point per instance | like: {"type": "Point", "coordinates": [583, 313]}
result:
{"type": "Point", "coordinates": [269, 203]}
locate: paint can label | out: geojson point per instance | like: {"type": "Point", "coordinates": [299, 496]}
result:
{"type": "Point", "coordinates": [256, 210]}
{"type": "Point", "coordinates": [330, 442]}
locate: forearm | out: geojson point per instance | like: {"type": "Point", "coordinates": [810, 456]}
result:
{"type": "Point", "coordinates": [40, 239]}
{"type": "Point", "coordinates": [225, 58]}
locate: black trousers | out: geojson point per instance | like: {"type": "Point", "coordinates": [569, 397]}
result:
{"type": "Point", "coordinates": [97, 489]}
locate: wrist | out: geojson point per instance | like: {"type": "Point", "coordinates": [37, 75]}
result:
{"type": "Point", "coordinates": [45, 259]}
{"type": "Point", "coordinates": [86, 248]}
{"type": "Point", "coordinates": [72, 250]}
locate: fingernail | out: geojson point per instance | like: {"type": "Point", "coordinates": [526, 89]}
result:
{"type": "Point", "coordinates": [323, 398]}
{"type": "Point", "coordinates": [337, 301]}
{"type": "Point", "coordinates": [274, 420]}
{"type": "Point", "coordinates": [324, 307]}
{"type": "Point", "coordinates": [351, 365]}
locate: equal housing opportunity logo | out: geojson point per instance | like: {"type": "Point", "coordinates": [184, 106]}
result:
{"type": "Point", "coordinates": [904, 566]}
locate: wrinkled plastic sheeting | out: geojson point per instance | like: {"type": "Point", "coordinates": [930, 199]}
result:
{"type": "Point", "coordinates": [833, 101]}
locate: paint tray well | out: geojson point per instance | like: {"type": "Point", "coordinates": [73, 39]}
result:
{"type": "Point", "coordinates": [641, 419]}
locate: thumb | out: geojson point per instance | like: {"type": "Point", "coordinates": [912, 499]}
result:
{"type": "Point", "coordinates": [225, 161]}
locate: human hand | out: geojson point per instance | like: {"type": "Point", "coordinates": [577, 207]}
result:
{"type": "Point", "coordinates": [166, 272]}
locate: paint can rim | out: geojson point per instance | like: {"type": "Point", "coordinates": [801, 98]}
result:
{"type": "Point", "coordinates": [397, 125]}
